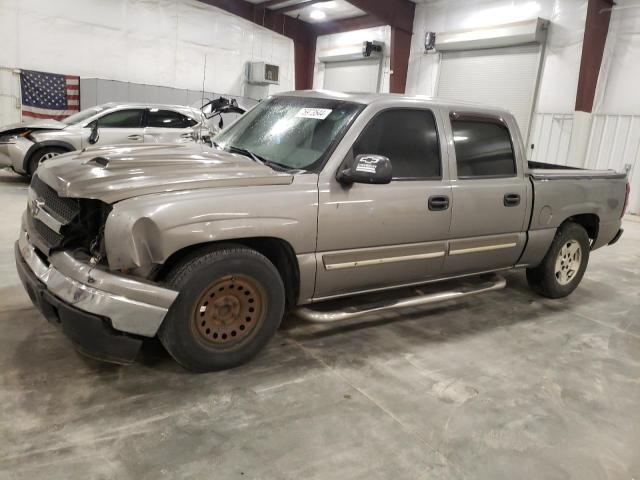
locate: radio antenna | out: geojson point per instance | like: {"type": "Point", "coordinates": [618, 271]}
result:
{"type": "Point", "coordinates": [204, 76]}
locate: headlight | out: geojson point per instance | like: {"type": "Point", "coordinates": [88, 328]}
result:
{"type": "Point", "coordinates": [14, 136]}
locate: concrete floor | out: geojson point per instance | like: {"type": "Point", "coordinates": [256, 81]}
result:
{"type": "Point", "coordinates": [507, 385]}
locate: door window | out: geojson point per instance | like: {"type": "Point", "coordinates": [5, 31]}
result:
{"type": "Point", "coordinates": [168, 119]}
{"type": "Point", "coordinates": [483, 149]}
{"type": "Point", "coordinates": [409, 138]}
{"type": "Point", "coordinates": [121, 119]}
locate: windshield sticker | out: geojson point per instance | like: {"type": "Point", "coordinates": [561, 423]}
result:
{"type": "Point", "coordinates": [315, 113]}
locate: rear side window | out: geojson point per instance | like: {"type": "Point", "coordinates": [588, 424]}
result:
{"type": "Point", "coordinates": [168, 119]}
{"type": "Point", "coordinates": [409, 138]}
{"type": "Point", "coordinates": [122, 119]}
{"type": "Point", "coordinates": [483, 149]}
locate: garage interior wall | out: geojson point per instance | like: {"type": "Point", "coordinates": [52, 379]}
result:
{"type": "Point", "coordinates": [347, 39]}
{"type": "Point", "coordinates": [153, 42]}
{"type": "Point", "coordinates": [505, 76]}
{"type": "Point", "coordinates": [614, 137]}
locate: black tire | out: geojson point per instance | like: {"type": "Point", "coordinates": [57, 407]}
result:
{"type": "Point", "coordinates": [544, 279]}
{"type": "Point", "coordinates": [190, 342]}
{"type": "Point", "coordinates": [36, 157]}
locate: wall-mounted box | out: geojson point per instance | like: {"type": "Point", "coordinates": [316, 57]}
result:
{"type": "Point", "coordinates": [261, 73]}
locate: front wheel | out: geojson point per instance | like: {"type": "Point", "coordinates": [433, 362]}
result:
{"type": "Point", "coordinates": [230, 303]}
{"type": "Point", "coordinates": [42, 155]}
{"type": "Point", "coordinates": [563, 266]}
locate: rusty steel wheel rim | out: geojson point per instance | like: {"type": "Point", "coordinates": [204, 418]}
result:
{"type": "Point", "coordinates": [229, 310]}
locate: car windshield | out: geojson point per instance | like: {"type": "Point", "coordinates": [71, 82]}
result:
{"type": "Point", "coordinates": [291, 132]}
{"type": "Point", "coordinates": [83, 115]}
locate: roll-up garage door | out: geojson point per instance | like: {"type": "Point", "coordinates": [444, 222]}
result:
{"type": "Point", "coordinates": [503, 77]}
{"type": "Point", "coordinates": [352, 76]}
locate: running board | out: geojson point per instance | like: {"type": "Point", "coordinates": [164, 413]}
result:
{"type": "Point", "coordinates": [486, 284]}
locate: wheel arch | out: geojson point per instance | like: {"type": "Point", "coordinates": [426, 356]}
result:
{"type": "Point", "coordinates": [589, 221]}
{"type": "Point", "coordinates": [44, 144]}
{"type": "Point", "coordinates": [277, 250]}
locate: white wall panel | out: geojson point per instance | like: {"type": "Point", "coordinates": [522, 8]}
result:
{"type": "Point", "coordinates": [550, 137]}
{"type": "Point", "coordinates": [615, 143]}
{"type": "Point", "coordinates": [9, 97]}
{"type": "Point", "coordinates": [154, 42]}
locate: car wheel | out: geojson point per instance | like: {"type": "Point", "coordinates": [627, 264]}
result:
{"type": "Point", "coordinates": [231, 301]}
{"type": "Point", "coordinates": [42, 155]}
{"type": "Point", "coordinates": [564, 265]}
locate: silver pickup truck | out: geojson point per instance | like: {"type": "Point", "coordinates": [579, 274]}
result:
{"type": "Point", "coordinates": [308, 197]}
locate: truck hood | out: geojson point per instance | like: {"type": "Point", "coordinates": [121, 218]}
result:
{"type": "Point", "coordinates": [116, 173]}
{"type": "Point", "coordinates": [33, 125]}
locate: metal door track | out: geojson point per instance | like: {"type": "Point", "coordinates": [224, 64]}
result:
{"type": "Point", "coordinates": [486, 284]}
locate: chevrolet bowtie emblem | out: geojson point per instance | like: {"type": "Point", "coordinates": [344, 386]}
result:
{"type": "Point", "coordinates": [36, 205]}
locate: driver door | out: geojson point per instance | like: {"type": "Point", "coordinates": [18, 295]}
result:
{"type": "Point", "coordinates": [378, 236]}
{"type": "Point", "coordinates": [120, 127]}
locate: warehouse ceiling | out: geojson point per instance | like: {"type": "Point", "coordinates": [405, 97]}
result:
{"type": "Point", "coordinates": [312, 11]}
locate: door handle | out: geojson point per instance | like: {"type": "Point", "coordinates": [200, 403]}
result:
{"type": "Point", "coordinates": [135, 137]}
{"type": "Point", "coordinates": [438, 203]}
{"type": "Point", "coordinates": [511, 199]}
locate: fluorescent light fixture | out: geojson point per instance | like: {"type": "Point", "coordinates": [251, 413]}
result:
{"type": "Point", "coordinates": [329, 4]}
{"type": "Point", "coordinates": [317, 15]}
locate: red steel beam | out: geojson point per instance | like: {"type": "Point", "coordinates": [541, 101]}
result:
{"type": "Point", "coordinates": [400, 49]}
{"type": "Point", "coordinates": [397, 13]}
{"type": "Point", "coordinates": [595, 34]}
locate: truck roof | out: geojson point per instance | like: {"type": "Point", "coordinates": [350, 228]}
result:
{"type": "Point", "coordinates": [391, 99]}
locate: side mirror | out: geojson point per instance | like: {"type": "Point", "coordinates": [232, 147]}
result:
{"type": "Point", "coordinates": [95, 135]}
{"type": "Point", "coordinates": [367, 168]}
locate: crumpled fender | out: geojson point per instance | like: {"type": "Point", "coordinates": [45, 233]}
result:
{"type": "Point", "coordinates": [147, 230]}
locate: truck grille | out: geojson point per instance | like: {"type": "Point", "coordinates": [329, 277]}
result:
{"type": "Point", "coordinates": [51, 238]}
{"type": "Point", "coordinates": [65, 209]}
{"type": "Point", "coordinates": [82, 220]}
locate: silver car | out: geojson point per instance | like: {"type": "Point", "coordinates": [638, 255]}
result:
{"type": "Point", "coordinates": [24, 146]}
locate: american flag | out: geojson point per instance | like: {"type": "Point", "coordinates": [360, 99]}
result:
{"type": "Point", "coordinates": [48, 95]}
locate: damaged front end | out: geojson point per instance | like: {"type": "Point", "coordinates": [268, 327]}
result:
{"type": "Point", "coordinates": [14, 147]}
{"type": "Point", "coordinates": [62, 263]}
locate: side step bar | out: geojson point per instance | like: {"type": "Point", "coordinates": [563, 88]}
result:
{"type": "Point", "coordinates": [486, 284]}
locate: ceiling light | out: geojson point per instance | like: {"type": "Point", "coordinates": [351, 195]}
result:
{"type": "Point", "coordinates": [317, 15]}
{"type": "Point", "coordinates": [330, 4]}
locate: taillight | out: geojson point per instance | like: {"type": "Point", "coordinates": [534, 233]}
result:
{"type": "Point", "coordinates": [626, 199]}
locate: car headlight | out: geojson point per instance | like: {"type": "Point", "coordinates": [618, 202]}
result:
{"type": "Point", "coordinates": [13, 136]}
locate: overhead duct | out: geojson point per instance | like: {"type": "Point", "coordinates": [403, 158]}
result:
{"type": "Point", "coordinates": [506, 35]}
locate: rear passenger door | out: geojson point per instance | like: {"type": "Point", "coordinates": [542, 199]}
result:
{"type": "Point", "coordinates": [489, 194]}
{"type": "Point", "coordinates": [378, 236]}
{"type": "Point", "coordinates": [168, 126]}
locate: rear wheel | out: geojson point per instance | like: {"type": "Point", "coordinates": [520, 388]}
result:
{"type": "Point", "coordinates": [42, 155]}
{"type": "Point", "coordinates": [564, 265]}
{"type": "Point", "coordinates": [230, 304]}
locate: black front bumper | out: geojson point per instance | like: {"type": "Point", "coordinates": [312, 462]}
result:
{"type": "Point", "coordinates": [91, 334]}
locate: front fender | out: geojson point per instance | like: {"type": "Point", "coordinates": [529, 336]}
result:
{"type": "Point", "coordinates": [147, 230]}
{"type": "Point", "coordinates": [42, 143]}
